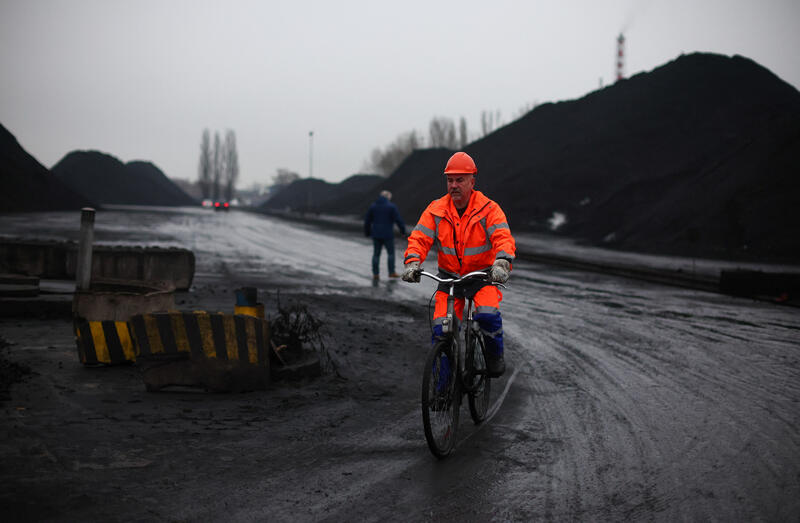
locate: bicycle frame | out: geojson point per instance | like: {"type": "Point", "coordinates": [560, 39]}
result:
{"type": "Point", "coordinates": [450, 323]}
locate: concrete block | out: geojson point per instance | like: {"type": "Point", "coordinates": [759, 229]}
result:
{"type": "Point", "coordinates": [100, 318]}
{"type": "Point", "coordinates": [42, 258]}
{"type": "Point", "coordinates": [213, 350]}
{"type": "Point", "coordinates": [172, 265]}
{"type": "Point", "coordinates": [119, 300]}
{"type": "Point", "coordinates": [168, 370]}
{"type": "Point", "coordinates": [106, 342]}
{"type": "Point", "coordinates": [58, 260]}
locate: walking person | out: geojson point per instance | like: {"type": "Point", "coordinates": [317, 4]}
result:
{"type": "Point", "coordinates": [471, 233]}
{"type": "Point", "coordinates": [379, 223]}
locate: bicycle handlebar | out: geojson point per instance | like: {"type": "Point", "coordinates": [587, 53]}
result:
{"type": "Point", "coordinates": [475, 274]}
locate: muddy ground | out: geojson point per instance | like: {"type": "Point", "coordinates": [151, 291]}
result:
{"type": "Point", "coordinates": [91, 444]}
{"type": "Point", "coordinates": [622, 401]}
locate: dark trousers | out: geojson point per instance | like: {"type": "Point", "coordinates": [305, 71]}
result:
{"type": "Point", "coordinates": [378, 244]}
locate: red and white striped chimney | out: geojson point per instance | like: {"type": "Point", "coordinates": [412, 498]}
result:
{"type": "Point", "coordinates": [620, 57]}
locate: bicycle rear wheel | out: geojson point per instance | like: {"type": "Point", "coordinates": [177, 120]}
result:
{"type": "Point", "coordinates": [441, 398]}
{"type": "Point", "coordinates": [481, 386]}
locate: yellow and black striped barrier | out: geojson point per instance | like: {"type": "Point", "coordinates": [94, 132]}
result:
{"type": "Point", "coordinates": [199, 334]}
{"type": "Point", "coordinates": [220, 352]}
{"type": "Point", "coordinates": [108, 342]}
{"type": "Point", "coordinates": [256, 310]}
{"type": "Point", "coordinates": [202, 335]}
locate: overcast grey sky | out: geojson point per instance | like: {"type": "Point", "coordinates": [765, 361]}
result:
{"type": "Point", "coordinates": [141, 79]}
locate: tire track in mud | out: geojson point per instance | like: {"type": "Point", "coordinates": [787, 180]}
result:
{"type": "Point", "coordinates": [673, 439]}
{"type": "Point", "coordinates": [611, 453]}
{"type": "Point", "coordinates": [670, 393]}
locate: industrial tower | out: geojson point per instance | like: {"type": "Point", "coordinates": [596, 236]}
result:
{"type": "Point", "coordinates": [620, 57]}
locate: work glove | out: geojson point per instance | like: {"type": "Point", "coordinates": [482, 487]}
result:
{"type": "Point", "coordinates": [500, 270]}
{"type": "Point", "coordinates": [411, 272]}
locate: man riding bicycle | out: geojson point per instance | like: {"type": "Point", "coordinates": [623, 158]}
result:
{"type": "Point", "coordinates": [471, 233]}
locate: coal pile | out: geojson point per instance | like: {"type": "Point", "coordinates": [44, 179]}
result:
{"type": "Point", "coordinates": [27, 185]}
{"type": "Point", "coordinates": [148, 173]}
{"type": "Point", "coordinates": [314, 195]}
{"type": "Point", "coordinates": [351, 192]}
{"type": "Point", "coordinates": [413, 185]}
{"type": "Point", "coordinates": [106, 180]}
{"type": "Point", "coordinates": [697, 157]}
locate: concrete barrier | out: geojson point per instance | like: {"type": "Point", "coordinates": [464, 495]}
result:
{"type": "Point", "coordinates": [100, 318]}
{"type": "Point", "coordinates": [16, 286]}
{"type": "Point", "coordinates": [104, 342]}
{"type": "Point", "coordinates": [118, 300]}
{"type": "Point", "coordinates": [171, 265]}
{"type": "Point", "coordinates": [45, 259]}
{"type": "Point", "coordinates": [777, 287]}
{"type": "Point", "coordinates": [218, 351]}
{"type": "Point", "coordinates": [58, 260]}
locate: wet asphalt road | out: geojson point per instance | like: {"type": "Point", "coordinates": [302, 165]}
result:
{"type": "Point", "coordinates": [623, 400]}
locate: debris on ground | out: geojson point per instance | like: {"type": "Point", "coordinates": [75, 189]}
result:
{"type": "Point", "coordinates": [10, 372]}
{"type": "Point", "coordinates": [297, 335]}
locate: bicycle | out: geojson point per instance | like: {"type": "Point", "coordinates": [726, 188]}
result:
{"type": "Point", "coordinates": [442, 387]}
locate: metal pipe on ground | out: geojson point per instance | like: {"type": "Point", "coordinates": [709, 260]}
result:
{"type": "Point", "coordinates": [84, 266]}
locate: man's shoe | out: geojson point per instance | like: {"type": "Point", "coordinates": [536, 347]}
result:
{"type": "Point", "coordinates": [394, 275]}
{"type": "Point", "coordinates": [495, 365]}
{"type": "Point", "coordinates": [376, 277]}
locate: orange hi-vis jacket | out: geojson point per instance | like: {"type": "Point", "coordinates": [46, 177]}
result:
{"type": "Point", "coordinates": [466, 243]}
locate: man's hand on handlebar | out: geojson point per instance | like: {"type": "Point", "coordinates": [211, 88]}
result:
{"type": "Point", "coordinates": [499, 270]}
{"type": "Point", "coordinates": [412, 272]}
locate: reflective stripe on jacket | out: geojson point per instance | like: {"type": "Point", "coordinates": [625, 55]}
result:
{"type": "Point", "coordinates": [466, 243]}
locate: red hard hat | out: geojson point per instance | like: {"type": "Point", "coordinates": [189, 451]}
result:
{"type": "Point", "coordinates": [460, 163]}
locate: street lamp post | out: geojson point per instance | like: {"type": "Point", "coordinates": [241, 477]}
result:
{"type": "Point", "coordinates": [310, 168]}
{"type": "Point", "coordinates": [310, 153]}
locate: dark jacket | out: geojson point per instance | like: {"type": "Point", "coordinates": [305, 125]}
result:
{"type": "Point", "coordinates": [380, 219]}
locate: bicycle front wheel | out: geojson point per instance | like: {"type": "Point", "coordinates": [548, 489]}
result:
{"type": "Point", "coordinates": [481, 386]}
{"type": "Point", "coordinates": [441, 398]}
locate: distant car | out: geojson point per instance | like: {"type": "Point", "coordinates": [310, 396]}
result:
{"type": "Point", "coordinates": [207, 203]}
{"type": "Point", "coordinates": [222, 206]}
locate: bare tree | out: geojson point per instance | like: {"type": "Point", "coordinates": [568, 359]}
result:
{"type": "Point", "coordinates": [204, 168]}
{"type": "Point", "coordinates": [442, 133]}
{"type": "Point", "coordinates": [486, 123]}
{"type": "Point", "coordinates": [490, 121]}
{"type": "Point", "coordinates": [216, 167]}
{"type": "Point", "coordinates": [375, 158]}
{"type": "Point", "coordinates": [384, 162]}
{"type": "Point", "coordinates": [230, 164]}
{"type": "Point", "coordinates": [525, 109]}
{"type": "Point", "coordinates": [284, 177]}
{"type": "Point", "coordinates": [462, 133]}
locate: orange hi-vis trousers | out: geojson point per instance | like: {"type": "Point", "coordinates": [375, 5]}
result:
{"type": "Point", "coordinates": [486, 311]}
